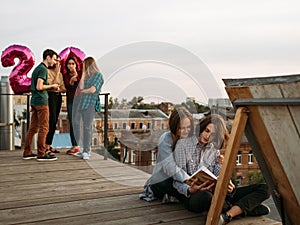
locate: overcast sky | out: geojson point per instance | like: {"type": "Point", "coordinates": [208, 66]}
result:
{"type": "Point", "coordinates": [162, 49]}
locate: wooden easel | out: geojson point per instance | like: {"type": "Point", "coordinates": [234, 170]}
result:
{"type": "Point", "coordinates": [228, 166]}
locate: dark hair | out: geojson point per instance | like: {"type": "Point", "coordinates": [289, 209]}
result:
{"type": "Point", "coordinates": [221, 136]}
{"type": "Point", "coordinates": [49, 52]}
{"type": "Point", "coordinates": [177, 115]}
{"type": "Point", "coordinates": [67, 61]}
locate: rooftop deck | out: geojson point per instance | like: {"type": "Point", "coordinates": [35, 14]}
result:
{"type": "Point", "coordinates": [74, 191]}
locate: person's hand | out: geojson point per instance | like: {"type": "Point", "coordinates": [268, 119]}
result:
{"type": "Point", "coordinates": [230, 187]}
{"type": "Point", "coordinates": [57, 68]}
{"type": "Point", "coordinates": [74, 78]}
{"type": "Point", "coordinates": [205, 186]}
{"type": "Point", "coordinates": [55, 86]}
{"type": "Point", "coordinates": [220, 159]}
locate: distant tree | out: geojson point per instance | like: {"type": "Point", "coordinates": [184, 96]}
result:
{"type": "Point", "coordinates": [123, 102]}
{"type": "Point", "coordinates": [136, 102]}
{"type": "Point", "coordinates": [115, 152]}
{"type": "Point", "coordinates": [194, 107]}
{"type": "Point", "coordinates": [255, 177]}
{"type": "Point", "coordinates": [110, 103]}
{"type": "Point", "coordinates": [116, 103]}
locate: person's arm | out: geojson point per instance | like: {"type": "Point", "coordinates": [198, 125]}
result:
{"type": "Point", "coordinates": [182, 188]}
{"type": "Point", "coordinates": [97, 82]}
{"type": "Point", "coordinates": [61, 83]}
{"type": "Point", "coordinates": [187, 190]}
{"type": "Point", "coordinates": [73, 81]}
{"type": "Point", "coordinates": [218, 164]}
{"type": "Point", "coordinates": [40, 86]}
{"type": "Point", "coordinates": [81, 83]}
{"type": "Point", "coordinates": [166, 160]}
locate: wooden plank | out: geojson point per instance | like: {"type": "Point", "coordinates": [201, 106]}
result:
{"type": "Point", "coordinates": [289, 91]}
{"type": "Point", "coordinates": [91, 200]}
{"type": "Point", "coordinates": [235, 221]}
{"type": "Point", "coordinates": [128, 216]}
{"type": "Point", "coordinates": [227, 167]}
{"type": "Point", "coordinates": [69, 209]}
{"type": "Point", "coordinates": [37, 201]}
{"type": "Point", "coordinates": [268, 152]}
{"type": "Point", "coordinates": [254, 81]}
{"type": "Point", "coordinates": [283, 131]}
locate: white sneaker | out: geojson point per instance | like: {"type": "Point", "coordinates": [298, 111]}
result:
{"type": "Point", "coordinates": [85, 156]}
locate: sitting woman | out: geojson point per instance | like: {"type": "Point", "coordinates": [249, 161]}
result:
{"type": "Point", "coordinates": [192, 153]}
{"type": "Point", "coordinates": [160, 184]}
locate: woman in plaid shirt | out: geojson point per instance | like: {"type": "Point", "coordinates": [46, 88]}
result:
{"type": "Point", "coordinates": [192, 153]}
{"type": "Point", "coordinates": [87, 103]}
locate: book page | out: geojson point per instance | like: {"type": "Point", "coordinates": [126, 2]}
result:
{"type": "Point", "coordinates": [203, 174]}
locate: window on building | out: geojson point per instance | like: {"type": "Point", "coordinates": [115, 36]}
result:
{"type": "Point", "coordinates": [250, 158]}
{"type": "Point", "coordinates": [149, 126]}
{"type": "Point", "coordinates": [132, 158]}
{"type": "Point", "coordinates": [132, 126]}
{"type": "Point", "coordinates": [239, 159]}
{"type": "Point", "coordinates": [124, 126]}
{"type": "Point", "coordinates": [162, 126]}
{"type": "Point", "coordinates": [95, 142]}
{"type": "Point", "coordinates": [115, 126]}
{"type": "Point", "coordinates": [141, 125]}
{"type": "Point", "coordinates": [153, 157]}
{"type": "Point", "coordinates": [125, 155]}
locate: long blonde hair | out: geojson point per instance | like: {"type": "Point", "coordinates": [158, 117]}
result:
{"type": "Point", "coordinates": [90, 67]}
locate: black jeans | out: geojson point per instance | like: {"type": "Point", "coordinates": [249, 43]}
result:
{"type": "Point", "coordinates": [54, 102]}
{"type": "Point", "coordinates": [166, 187]}
{"type": "Point", "coordinates": [247, 198]}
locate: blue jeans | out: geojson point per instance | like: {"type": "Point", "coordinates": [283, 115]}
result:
{"type": "Point", "coordinates": [87, 117]}
{"type": "Point", "coordinates": [70, 116]}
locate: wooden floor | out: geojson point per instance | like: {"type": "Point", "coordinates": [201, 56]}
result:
{"type": "Point", "coordinates": [74, 191]}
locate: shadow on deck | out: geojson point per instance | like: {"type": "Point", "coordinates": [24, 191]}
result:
{"type": "Point", "coordinates": [74, 191]}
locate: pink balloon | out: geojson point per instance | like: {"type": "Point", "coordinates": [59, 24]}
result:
{"type": "Point", "coordinates": [76, 53]}
{"type": "Point", "coordinates": [18, 79]}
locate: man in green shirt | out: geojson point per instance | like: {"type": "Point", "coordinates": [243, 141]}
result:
{"type": "Point", "coordinates": [39, 107]}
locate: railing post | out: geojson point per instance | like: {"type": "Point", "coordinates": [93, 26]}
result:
{"type": "Point", "coordinates": [105, 125]}
{"type": "Point", "coordinates": [28, 112]}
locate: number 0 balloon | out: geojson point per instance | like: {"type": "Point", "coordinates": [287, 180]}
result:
{"type": "Point", "coordinates": [71, 51]}
{"type": "Point", "coordinates": [18, 79]}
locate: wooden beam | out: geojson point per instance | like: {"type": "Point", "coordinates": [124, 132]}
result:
{"type": "Point", "coordinates": [227, 167]}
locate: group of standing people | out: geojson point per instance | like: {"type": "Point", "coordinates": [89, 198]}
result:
{"type": "Point", "coordinates": [82, 91]}
{"type": "Point", "coordinates": [182, 151]}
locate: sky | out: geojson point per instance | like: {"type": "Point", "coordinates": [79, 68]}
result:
{"type": "Point", "coordinates": [162, 50]}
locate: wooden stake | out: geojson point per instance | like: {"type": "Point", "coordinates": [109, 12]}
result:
{"type": "Point", "coordinates": [232, 148]}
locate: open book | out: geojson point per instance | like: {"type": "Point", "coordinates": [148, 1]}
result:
{"type": "Point", "coordinates": [203, 174]}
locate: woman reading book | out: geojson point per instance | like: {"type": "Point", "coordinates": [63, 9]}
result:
{"type": "Point", "coordinates": [197, 151]}
{"type": "Point", "coordinates": [193, 153]}
{"type": "Point", "coordinates": [160, 184]}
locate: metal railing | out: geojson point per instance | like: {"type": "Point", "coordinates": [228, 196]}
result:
{"type": "Point", "coordinates": [105, 116]}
